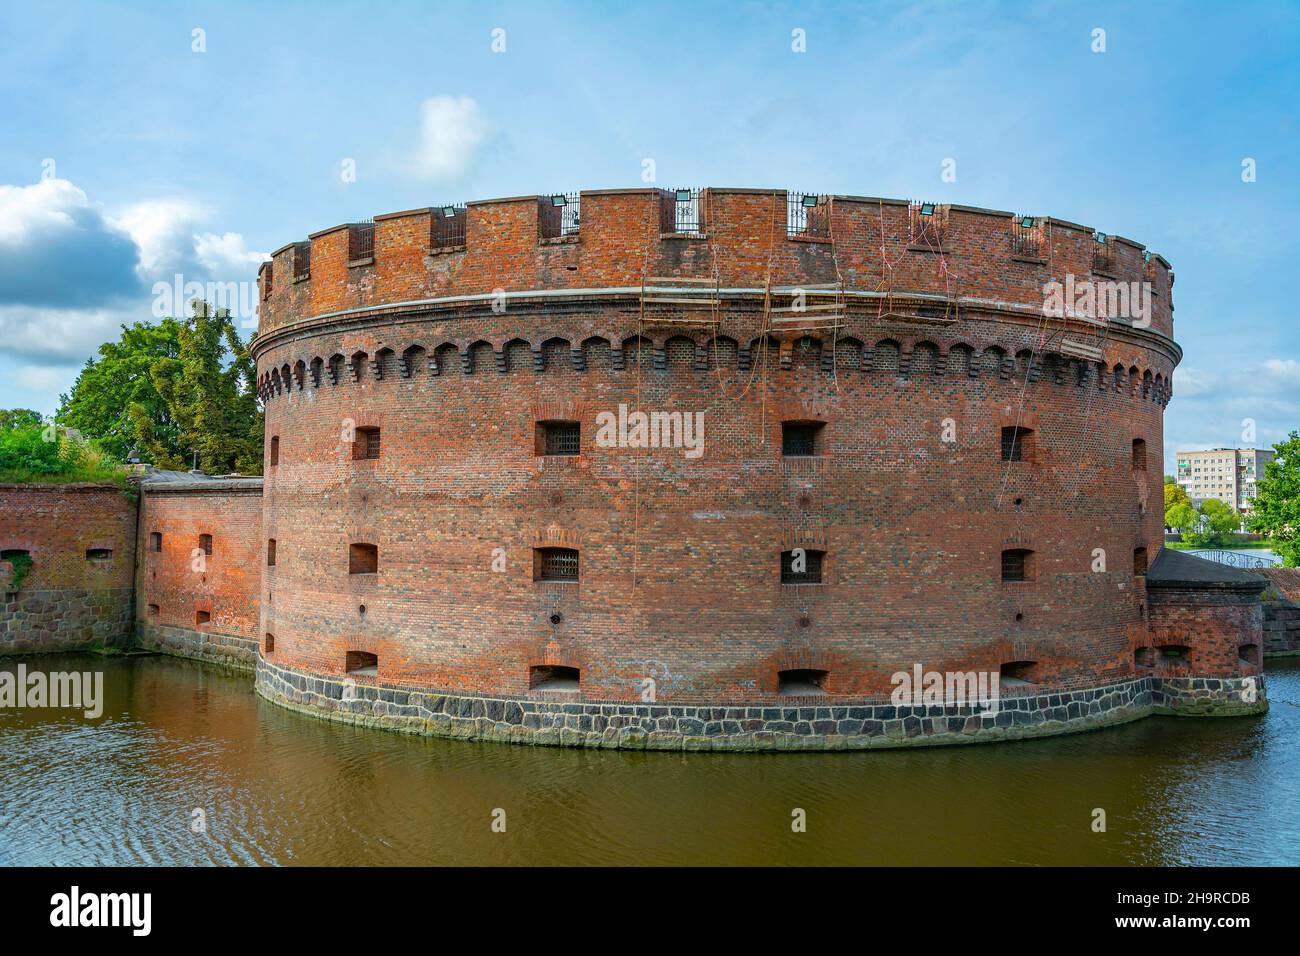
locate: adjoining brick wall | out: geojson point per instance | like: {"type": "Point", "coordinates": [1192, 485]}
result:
{"type": "Point", "coordinates": [177, 583]}
{"type": "Point", "coordinates": [81, 538]}
{"type": "Point", "coordinates": [1282, 612]}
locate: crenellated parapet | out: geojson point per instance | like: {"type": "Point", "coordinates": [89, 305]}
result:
{"type": "Point", "coordinates": [881, 254]}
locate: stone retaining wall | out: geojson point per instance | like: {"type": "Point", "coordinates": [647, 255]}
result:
{"type": "Point", "coordinates": [800, 726]}
{"type": "Point", "coordinates": [231, 650]}
{"type": "Point", "coordinates": [63, 619]}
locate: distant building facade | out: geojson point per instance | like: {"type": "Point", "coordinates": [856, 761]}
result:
{"type": "Point", "coordinates": [1227, 474]}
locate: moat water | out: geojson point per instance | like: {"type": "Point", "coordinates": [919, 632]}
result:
{"type": "Point", "coordinates": [282, 788]}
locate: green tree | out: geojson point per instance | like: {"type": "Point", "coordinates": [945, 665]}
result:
{"type": "Point", "coordinates": [210, 393]}
{"type": "Point", "coordinates": [172, 389]}
{"type": "Point", "coordinates": [1276, 508]}
{"type": "Point", "coordinates": [114, 401]}
{"type": "Point", "coordinates": [1220, 522]}
{"type": "Point", "coordinates": [1182, 517]}
{"type": "Point", "coordinates": [1174, 495]}
{"type": "Point", "coordinates": [19, 418]}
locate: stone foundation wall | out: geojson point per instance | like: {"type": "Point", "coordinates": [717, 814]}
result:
{"type": "Point", "coordinates": [231, 650]}
{"type": "Point", "coordinates": [799, 726]}
{"type": "Point", "coordinates": [64, 619]}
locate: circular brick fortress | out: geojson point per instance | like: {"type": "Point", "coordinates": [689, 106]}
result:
{"type": "Point", "coordinates": [425, 512]}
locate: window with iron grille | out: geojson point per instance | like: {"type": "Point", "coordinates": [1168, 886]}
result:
{"type": "Point", "coordinates": [301, 260]}
{"type": "Point", "coordinates": [807, 215]}
{"type": "Point", "coordinates": [1016, 443]}
{"type": "Point", "coordinates": [559, 215]}
{"type": "Point", "coordinates": [361, 240]}
{"type": "Point", "coordinates": [1103, 253]}
{"type": "Point", "coordinates": [205, 542]}
{"type": "Point", "coordinates": [1026, 237]}
{"type": "Point", "coordinates": [447, 227]}
{"type": "Point", "coordinates": [927, 224]}
{"type": "Point", "coordinates": [556, 564]}
{"type": "Point", "coordinates": [366, 445]}
{"type": "Point", "coordinates": [681, 212]}
{"type": "Point", "coordinates": [1016, 564]}
{"type": "Point", "coordinates": [801, 566]}
{"type": "Point", "coordinates": [1139, 455]}
{"type": "Point", "coordinates": [801, 439]}
{"type": "Point", "coordinates": [363, 559]}
{"type": "Point", "coordinates": [559, 438]}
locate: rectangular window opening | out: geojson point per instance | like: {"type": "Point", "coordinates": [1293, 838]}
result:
{"type": "Point", "coordinates": [363, 559]}
{"type": "Point", "coordinates": [801, 566]}
{"type": "Point", "coordinates": [1016, 443]}
{"type": "Point", "coordinates": [801, 439]}
{"type": "Point", "coordinates": [365, 446]}
{"type": "Point", "coordinates": [205, 542]}
{"type": "Point", "coordinates": [99, 554]}
{"type": "Point", "coordinates": [1017, 564]}
{"type": "Point", "coordinates": [555, 564]}
{"type": "Point", "coordinates": [270, 552]}
{"type": "Point", "coordinates": [553, 677]}
{"type": "Point", "coordinates": [362, 664]}
{"type": "Point", "coordinates": [801, 682]}
{"type": "Point", "coordinates": [558, 438]}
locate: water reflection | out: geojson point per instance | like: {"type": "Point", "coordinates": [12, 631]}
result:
{"type": "Point", "coordinates": [281, 788]}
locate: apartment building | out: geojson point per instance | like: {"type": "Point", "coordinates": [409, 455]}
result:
{"type": "Point", "coordinates": [1228, 474]}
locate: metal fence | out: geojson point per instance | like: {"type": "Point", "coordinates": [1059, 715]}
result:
{"type": "Point", "coordinates": [559, 215]}
{"type": "Point", "coordinates": [808, 215]}
{"type": "Point", "coordinates": [447, 227]}
{"type": "Point", "coordinates": [301, 260]}
{"type": "Point", "coordinates": [1103, 253]}
{"type": "Point", "coordinates": [1027, 237]}
{"type": "Point", "coordinates": [361, 240]}
{"type": "Point", "coordinates": [927, 224]}
{"type": "Point", "coordinates": [681, 211]}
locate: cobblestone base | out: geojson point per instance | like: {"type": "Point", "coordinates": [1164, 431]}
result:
{"type": "Point", "coordinates": [68, 619]}
{"type": "Point", "coordinates": [227, 649]}
{"type": "Point", "coordinates": [801, 726]}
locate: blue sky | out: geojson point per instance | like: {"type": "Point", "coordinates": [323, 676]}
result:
{"type": "Point", "coordinates": [167, 160]}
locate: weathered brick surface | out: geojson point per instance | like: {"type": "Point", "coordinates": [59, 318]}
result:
{"type": "Point", "coordinates": [68, 599]}
{"type": "Point", "coordinates": [1282, 611]}
{"type": "Point", "coordinates": [181, 580]}
{"type": "Point", "coordinates": [680, 578]}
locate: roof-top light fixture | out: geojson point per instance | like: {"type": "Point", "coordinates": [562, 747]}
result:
{"type": "Point", "coordinates": [683, 195]}
{"type": "Point", "coordinates": [1027, 222]}
{"type": "Point", "coordinates": [927, 209]}
{"type": "Point", "coordinates": [558, 201]}
{"type": "Point", "coordinates": [448, 212]}
{"type": "Point", "coordinates": [1100, 237]}
{"type": "Point", "coordinates": [810, 201]}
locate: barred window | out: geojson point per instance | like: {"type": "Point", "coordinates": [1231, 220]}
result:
{"type": "Point", "coordinates": [801, 566]}
{"type": "Point", "coordinates": [559, 438]}
{"type": "Point", "coordinates": [1016, 564]}
{"type": "Point", "coordinates": [205, 542]}
{"type": "Point", "coordinates": [556, 564]}
{"type": "Point", "coordinates": [1016, 443]}
{"type": "Point", "coordinates": [366, 445]}
{"type": "Point", "coordinates": [801, 439]}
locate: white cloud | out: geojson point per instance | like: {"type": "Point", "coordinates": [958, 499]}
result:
{"type": "Point", "coordinates": [163, 229]}
{"type": "Point", "coordinates": [61, 335]}
{"type": "Point", "coordinates": [1190, 382]}
{"type": "Point", "coordinates": [452, 132]}
{"type": "Point", "coordinates": [227, 255]}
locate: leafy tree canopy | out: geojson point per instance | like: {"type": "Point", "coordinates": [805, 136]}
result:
{"type": "Point", "coordinates": [171, 390]}
{"type": "Point", "coordinates": [1276, 508]}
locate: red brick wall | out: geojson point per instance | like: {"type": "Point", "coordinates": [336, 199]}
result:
{"type": "Point", "coordinates": [1214, 625]}
{"type": "Point", "coordinates": [680, 558]}
{"type": "Point", "coordinates": [225, 583]}
{"type": "Point", "coordinates": [66, 600]}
